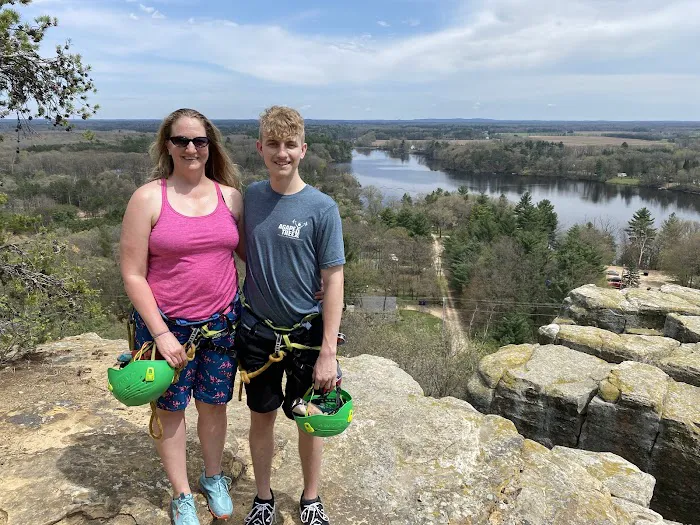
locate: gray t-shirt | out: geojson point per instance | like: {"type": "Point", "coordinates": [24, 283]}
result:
{"type": "Point", "coordinates": [289, 239]}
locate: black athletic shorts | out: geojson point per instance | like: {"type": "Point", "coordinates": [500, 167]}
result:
{"type": "Point", "coordinates": [264, 392]}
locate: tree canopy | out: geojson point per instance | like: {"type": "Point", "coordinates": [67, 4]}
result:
{"type": "Point", "coordinates": [31, 85]}
{"type": "Point", "coordinates": [641, 232]}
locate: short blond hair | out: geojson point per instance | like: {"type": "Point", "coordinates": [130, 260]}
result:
{"type": "Point", "coordinates": [281, 122]}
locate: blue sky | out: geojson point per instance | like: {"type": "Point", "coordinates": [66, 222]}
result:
{"type": "Point", "coordinates": [389, 59]}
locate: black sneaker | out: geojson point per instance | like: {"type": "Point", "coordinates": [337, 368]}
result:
{"type": "Point", "coordinates": [262, 512]}
{"type": "Point", "coordinates": [312, 512]}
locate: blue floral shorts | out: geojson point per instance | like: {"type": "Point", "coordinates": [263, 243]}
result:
{"type": "Point", "coordinates": [209, 376]}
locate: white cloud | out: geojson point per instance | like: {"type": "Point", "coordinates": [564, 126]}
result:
{"type": "Point", "coordinates": [133, 16]}
{"type": "Point", "coordinates": [383, 23]}
{"type": "Point", "coordinates": [412, 22]}
{"type": "Point", "coordinates": [502, 35]}
{"type": "Point", "coordinates": [157, 14]}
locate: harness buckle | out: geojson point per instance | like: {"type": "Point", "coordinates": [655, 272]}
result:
{"type": "Point", "coordinates": [278, 343]}
{"type": "Point", "coordinates": [195, 336]}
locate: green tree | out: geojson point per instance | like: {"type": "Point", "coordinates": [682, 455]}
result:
{"type": "Point", "coordinates": [670, 234]}
{"type": "Point", "coordinates": [630, 277]}
{"type": "Point", "coordinates": [513, 329]}
{"type": "Point", "coordinates": [578, 261]}
{"type": "Point", "coordinates": [641, 233]}
{"type": "Point", "coordinates": [366, 140]}
{"type": "Point", "coordinates": [682, 260]}
{"type": "Point", "coordinates": [388, 217]}
{"type": "Point", "coordinates": [32, 85]}
{"type": "Point", "coordinates": [42, 295]}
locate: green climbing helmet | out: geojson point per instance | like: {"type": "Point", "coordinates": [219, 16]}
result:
{"type": "Point", "coordinates": [141, 381]}
{"type": "Point", "coordinates": [337, 409]}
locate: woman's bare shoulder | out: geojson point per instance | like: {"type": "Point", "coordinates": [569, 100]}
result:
{"type": "Point", "coordinates": [233, 199]}
{"type": "Point", "coordinates": [147, 198]}
{"type": "Point", "coordinates": [230, 191]}
{"type": "Point", "coordinates": [148, 192]}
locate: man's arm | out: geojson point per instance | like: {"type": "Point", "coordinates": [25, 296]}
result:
{"type": "Point", "coordinates": [325, 371]}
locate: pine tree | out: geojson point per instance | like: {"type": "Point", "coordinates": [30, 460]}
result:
{"type": "Point", "coordinates": [32, 85]}
{"type": "Point", "coordinates": [630, 277]}
{"type": "Point", "coordinates": [641, 232]}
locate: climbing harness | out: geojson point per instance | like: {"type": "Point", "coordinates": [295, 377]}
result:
{"type": "Point", "coordinates": [147, 354]}
{"type": "Point", "coordinates": [336, 413]}
{"type": "Point", "coordinates": [283, 337]}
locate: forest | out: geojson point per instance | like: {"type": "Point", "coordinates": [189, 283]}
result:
{"type": "Point", "coordinates": [508, 265]}
{"type": "Point", "coordinates": [65, 179]}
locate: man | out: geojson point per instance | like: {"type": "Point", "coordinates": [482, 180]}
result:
{"type": "Point", "coordinates": [294, 241]}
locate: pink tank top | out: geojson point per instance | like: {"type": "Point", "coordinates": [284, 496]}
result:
{"type": "Point", "coordinates": [191, 270]}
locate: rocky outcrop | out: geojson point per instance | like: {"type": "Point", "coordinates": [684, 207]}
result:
{"type": "Point", "coordinates": [622, 478]}
{"type": "Point", "coordinates": [680, 361]}
{"type": "Point", "coordinates": [684, 328]}
{"type": "Point", "coordinates": [72, 455]}
{"type": "Point", "coordinates": [559, 396]}
{"type": "Point", "coordinates": [622, 310]}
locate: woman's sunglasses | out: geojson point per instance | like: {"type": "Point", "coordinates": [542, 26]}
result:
{"type": "Point", "coordinates": [183, 142]}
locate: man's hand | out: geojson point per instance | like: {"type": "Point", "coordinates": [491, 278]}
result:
{"type": "Point", "coordinates": [325, 372]}
{"type": "Point", "coordinates": [171, 349]}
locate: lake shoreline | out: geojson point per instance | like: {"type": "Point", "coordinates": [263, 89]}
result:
{"type": "Point", "coordinates": [576, 200]}
{"type": "Point", "coordinates": [675, 187]}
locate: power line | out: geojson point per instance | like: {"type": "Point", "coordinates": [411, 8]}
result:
{"type": "Point", "coordinates": [438, 300]}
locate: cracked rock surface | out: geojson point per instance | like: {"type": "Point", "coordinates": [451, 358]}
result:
{"type": "Point", "coordinates": [72, 455]}
{"type": "Point", "coordinates": [617, 372]}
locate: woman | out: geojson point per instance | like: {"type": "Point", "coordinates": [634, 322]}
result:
{"type": "Point", "coordinates": [178, 237]}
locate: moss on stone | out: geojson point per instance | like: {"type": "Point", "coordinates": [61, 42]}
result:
{"type": "Point", "coordinates": [608, 391]}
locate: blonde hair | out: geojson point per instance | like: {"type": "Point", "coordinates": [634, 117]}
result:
{"type": "Point", "coordinates": [219, 165]}
{"type": "Point", "coordinates": [281, 122]}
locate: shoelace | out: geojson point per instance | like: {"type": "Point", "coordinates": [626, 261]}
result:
{"type": "Point", "coordinates": [258, 513]}
{"type": "Point", "coordinates": [186, 508]}
{"type": "Point", "coordinates": [222, 487]}
{"type": "Point", "coordinates": [315, 513]}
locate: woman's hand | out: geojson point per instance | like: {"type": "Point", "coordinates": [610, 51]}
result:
{"type": "Point", "coordinates": [171, 350]}
{"type": "Point", "coordinates": [319, 295]}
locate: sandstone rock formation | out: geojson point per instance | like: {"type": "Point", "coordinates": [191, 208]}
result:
{"type": "Point", "coordinates": [72, 455]}
{"type": "Point", "coordinates": [619, 311]}
{"type": "Point", "coordinates": [684, 328]}
{"type": "Point", "coordinates": [680, 361]}
{"type": "Point", "coordinates": [601, 381]}
{"type": "Point", "coordinates": [558, 396]}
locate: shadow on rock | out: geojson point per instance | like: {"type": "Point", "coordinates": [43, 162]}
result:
{"type": "Point", "coordinates": [118, 468]}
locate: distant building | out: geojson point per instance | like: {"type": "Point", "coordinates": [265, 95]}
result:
{"type": "Point", "coordinates": [376, 304]}
{"type": "Point", "coordinates": [622, 175]}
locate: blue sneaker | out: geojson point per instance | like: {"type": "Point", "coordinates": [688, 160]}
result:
{"type": "Point", "coordinates": [216, 490]}
{"type": "Point", "coordinates": [183, 511]}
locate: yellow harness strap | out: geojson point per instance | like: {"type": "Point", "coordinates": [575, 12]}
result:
{"type": "Point", "coordinates": [190, 350]}
{"type": "Point", "coordinates": [275, 357]}
{"type": "Point", "coordinates": [282, 333]}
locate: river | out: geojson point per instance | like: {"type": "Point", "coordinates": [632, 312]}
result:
{"type": "Point", "coordinates": [574, 201]}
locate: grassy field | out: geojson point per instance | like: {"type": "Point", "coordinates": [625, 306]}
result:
{"type": "Point", "coordinates": [597, 140]}
{"type": "Point", "coordinates": [623, 181]}
{"type": "Point", "coordinates": [417, 143]}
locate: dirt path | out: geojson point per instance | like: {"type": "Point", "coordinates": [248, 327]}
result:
{"type": "Point", "coordinates": [453, 324]}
